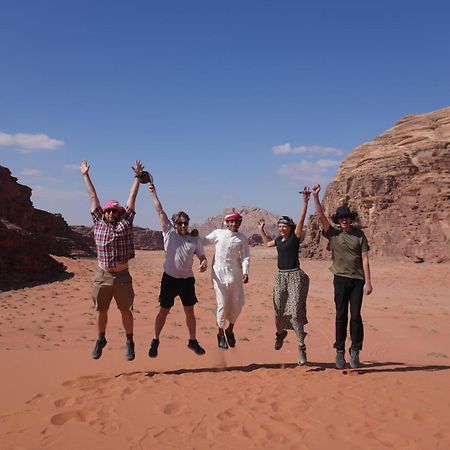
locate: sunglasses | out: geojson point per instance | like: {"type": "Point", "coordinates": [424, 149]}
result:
{"type": "Point", "coordinates": [344, 217]}
{"type": "Point", "coordinates": [110, 210]}
{"type": "Point", "coordinates": [181, 223]}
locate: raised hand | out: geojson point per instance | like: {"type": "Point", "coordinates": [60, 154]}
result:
{"type": "Point", "coordinates": [138, 167]}
{"type": "Point", "coordinates": [261, 224]}
{"type": "Point", "coordinates": [316, 189]}
{"type": "Point", "coordinates": [84, 167]}
{"type": "Point", "coordinates": [306, 193]}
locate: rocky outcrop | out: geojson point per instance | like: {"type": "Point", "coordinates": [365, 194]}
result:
{"type": "Point", "coordinates": [28, 235]}
{"type": "Point", "coordinates": [250, 218]}
{"type": "Point", "coordinates": [399, 184]}
{"type": "Point", "coordinates": [144, 238]}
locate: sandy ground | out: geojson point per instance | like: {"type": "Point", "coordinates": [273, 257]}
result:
{"type": "Point", "coordinates": [55, 396]}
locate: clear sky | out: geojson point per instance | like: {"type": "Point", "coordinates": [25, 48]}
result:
{"type": "Point", "coordinates": [227, 103]}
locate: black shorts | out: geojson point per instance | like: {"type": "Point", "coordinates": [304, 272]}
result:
{"type": "Point", "coordinates": [172, 287]}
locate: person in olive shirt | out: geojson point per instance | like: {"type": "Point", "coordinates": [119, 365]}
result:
{"type": "Point", "coordinates": [351, 269]}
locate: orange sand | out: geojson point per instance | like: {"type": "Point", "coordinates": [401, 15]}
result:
{"type": "Point", "coordinates": [54, 396]}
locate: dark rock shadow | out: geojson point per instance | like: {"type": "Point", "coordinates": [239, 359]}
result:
{"type": "Point", "coordinates": [38, 280]}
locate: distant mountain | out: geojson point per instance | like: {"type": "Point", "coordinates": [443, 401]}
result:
{"type": "Point", "coordinates": [251, 216]}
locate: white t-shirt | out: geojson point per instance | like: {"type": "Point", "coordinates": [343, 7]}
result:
{"type": "Point", "coordinates": [180, 250]}
{"type": "Point", "coordinates": [232, 256]}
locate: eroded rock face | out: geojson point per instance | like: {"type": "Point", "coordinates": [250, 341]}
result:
{"type": "Point", "coordinates": [28, 236]}
{"type": "Point", "coordinates": [249, 227]}
{"type": "Point", "coordinates": [399, 184]}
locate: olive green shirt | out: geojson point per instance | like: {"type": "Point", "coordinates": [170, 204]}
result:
{"type": "Point", "coordinates": [346, 251]}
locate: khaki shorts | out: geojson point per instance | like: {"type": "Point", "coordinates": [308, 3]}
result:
{"type": "Point", "coordinates": [113, 284]}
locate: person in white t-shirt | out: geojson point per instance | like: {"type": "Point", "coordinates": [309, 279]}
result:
{"type": "Point", "coordinates": [229, 273]}
{"type": "Point", "coordinates": [178, 278]}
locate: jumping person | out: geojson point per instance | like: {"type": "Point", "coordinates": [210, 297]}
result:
{"type": "Point", "coordinates": [178, 277]}
{"type": "Point", "coordinates": [351, 269]}
{"type": "Point", "coordinates": [291, 283]}
{"type": "Point", "coordinates": [113, 235]}
{"type": "Point", "coordinates": [229, 273]}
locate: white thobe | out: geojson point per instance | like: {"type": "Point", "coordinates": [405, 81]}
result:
{"type": "Point", "coordinates": [231, 261]}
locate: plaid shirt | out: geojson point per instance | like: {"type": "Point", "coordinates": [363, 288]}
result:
{"type": "Point", "coordinates": [114, 241]}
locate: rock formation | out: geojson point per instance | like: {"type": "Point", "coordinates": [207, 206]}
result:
{"type": "Point", "coordinates": [144, 238]}
{"type": "Point", "coordinates": [28, 235]}
{"type": "Point", "coordinates": [399, 184]}
{"type": "Point", "coordinates": [251, 217]}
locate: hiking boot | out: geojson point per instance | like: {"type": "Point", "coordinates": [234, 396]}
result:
{"type": "Point", "coordinates": [129, 355]}
{"type": "Point", "coordinates": [222, 342]}
{"type": "Point", "coordinates": [302, 355]}
{"type": "Point", "coordinates": [279, 339]}
{"type": "Point", "coordinates": [354, 359]}
{"type": "Point", "coordinates": [153, 350]}
{"type": "Point", "coordinates": [230, 338]}
{"type": "Point", "coordinates": [340, 359]}
{"type": "Point", "coordinates": [98, 349]}
{"type": "Point", "coordinates": [195, 347]}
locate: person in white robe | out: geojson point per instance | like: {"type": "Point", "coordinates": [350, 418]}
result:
{"type": "Point", "coordinates": [229, 274]}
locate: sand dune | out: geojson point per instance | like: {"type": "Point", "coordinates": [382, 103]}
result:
{"type": "Point", "coordinates": [55, 396]}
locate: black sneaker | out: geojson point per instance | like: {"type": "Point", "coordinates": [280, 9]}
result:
{"type": "Point", "coordinates": [222, 342]}
{"type": "Point", "coordinates": [129, 355]}
{"type": "Point", "coordinates": [279, 339]}
{"type": "Point", "coordinates": [340, 359]}
{"type": "Point", "coordinates": [354, 359]}
{"type": "Point", "coordinates": [195, 347]}
{"type": "Point", "coordinates": [153, 351]}
{"type": "Point", "coordinates": [230, 338]}
{"type": "Point", "coordinates": [98, 349]}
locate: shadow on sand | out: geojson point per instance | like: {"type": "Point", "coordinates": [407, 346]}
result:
{"type": "Point", "coordinates": [367, 368]}
{"type": "Point", "coordinates": [14, 284]}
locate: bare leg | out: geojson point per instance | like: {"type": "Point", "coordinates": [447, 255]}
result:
{"type": "Point", "coordinates": [160, 320]}
{"type": "Point", "coordinates": [127, 321]}
{"type": "Point", "coordinates": [102, 320]}
{"type": "Point", "coordinates": [190, 321]}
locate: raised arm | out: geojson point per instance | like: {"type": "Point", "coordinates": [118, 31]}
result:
{"type": "Point", "coordinates": [137, 168]}
{"type": "Point", "coordinates": [95, 202]}
{"type": "Point", "coordinates": [262, 232]}
{"type": "Point", "coordinates": [164, 220]}
{"type": "Point", "coordinates": [319, 210]}
{"type": "Point", "coordinates": [301, 219]}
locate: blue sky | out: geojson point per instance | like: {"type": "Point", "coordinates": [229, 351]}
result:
{"type": "Point", "coordinates": [226, 103]}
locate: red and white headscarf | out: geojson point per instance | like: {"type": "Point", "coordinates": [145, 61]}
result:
{"type": "Point", "coordinates": [233, 216]}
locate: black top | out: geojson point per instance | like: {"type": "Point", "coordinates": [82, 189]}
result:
{"type": "Point", "coordinates": [288, 252]}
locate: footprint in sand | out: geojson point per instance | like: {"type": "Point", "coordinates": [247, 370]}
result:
{"type": "Point", "coordinates": [35, 399]}
{"type": "Point", "coordinates": [64, 417]}
{"type": "Point", "coordinates": [67, 401]}
{"type": "Point", "coordinates": [173, 409]}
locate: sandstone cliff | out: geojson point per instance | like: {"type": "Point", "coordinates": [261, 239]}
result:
{"type": "Point", "coordinates": [28, 235]}
{"type": "Point", "coordinates": [399, 184]}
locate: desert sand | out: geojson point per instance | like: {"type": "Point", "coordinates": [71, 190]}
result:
{"type": "Point", "coordinates": [55, 396]}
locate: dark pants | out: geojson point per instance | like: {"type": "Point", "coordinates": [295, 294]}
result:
{"type": "Point", "coordinates": [348, 290]}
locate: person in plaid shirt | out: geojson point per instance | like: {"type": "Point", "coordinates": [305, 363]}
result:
{"type": "Point", "coordinates": [113, 235]}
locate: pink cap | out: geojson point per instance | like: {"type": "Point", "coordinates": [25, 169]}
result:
{"type": "Point", "coordinates": [233, 216]}
{"type": "Point", "coordinates": [112, 204]}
